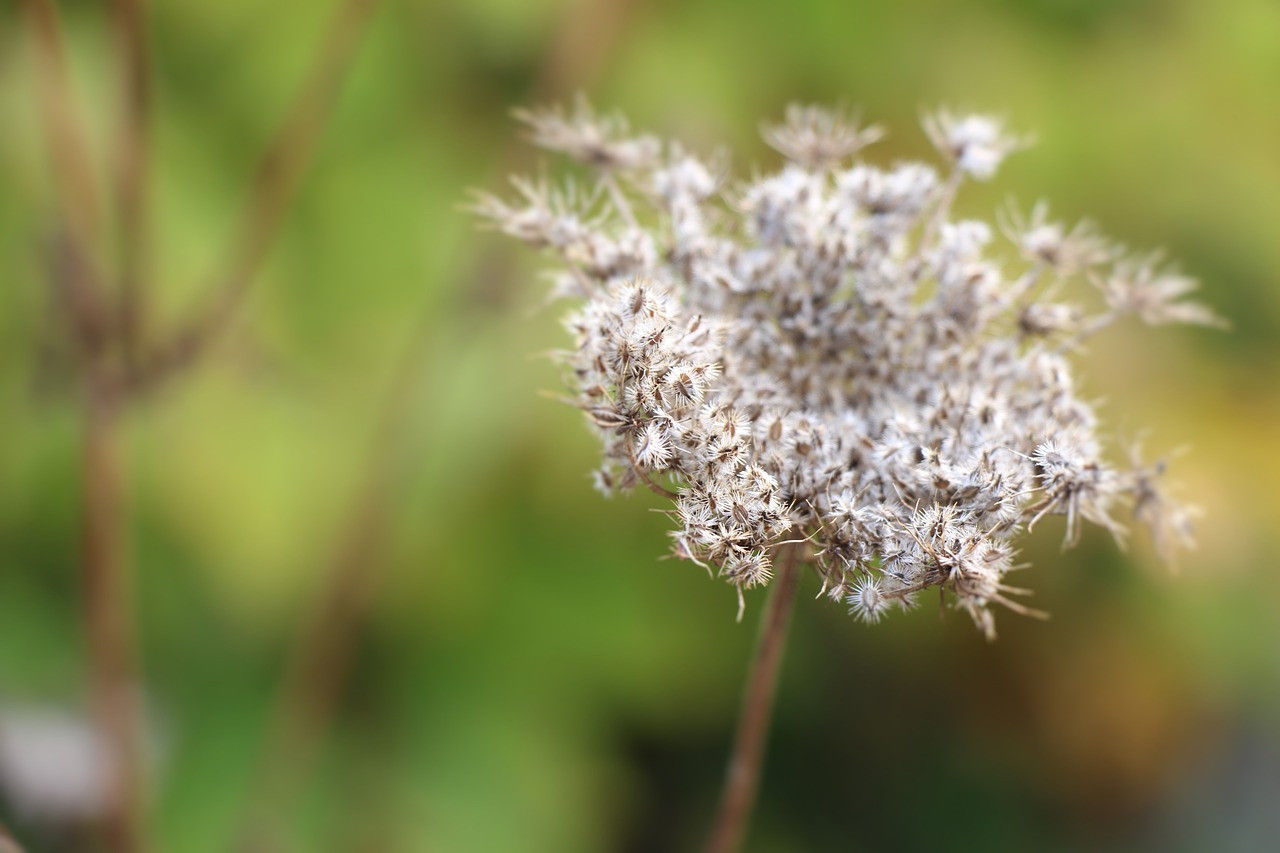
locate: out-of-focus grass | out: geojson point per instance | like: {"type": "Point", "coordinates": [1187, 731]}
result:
{"type": "Point", "coordinates": [533, 677]}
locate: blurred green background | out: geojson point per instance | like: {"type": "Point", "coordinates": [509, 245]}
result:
{"type": "Point", "coordinates": [531, 676]}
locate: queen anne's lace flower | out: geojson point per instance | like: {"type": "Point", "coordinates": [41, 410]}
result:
{"type": "Point", "coordinates": [821, 359]}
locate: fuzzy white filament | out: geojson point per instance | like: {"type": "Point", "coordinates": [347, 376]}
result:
{"type": "Point", "coordinates": [824, 354]}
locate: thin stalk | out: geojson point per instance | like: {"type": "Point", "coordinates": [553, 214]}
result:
{"type": "Point", "coordinates": [131, 170]}
{"type": "Point", "coordinates": [619, 199]}
{"type": "Point", "coordinates": [279, 175]}
{"type": "Point", "coordinates": [68, 148]}
{"type": "Point", "coordinates": [321, 659]}
{"type": "Point", "coordinates": [78, 285]}
{"type": "Point", "coordinates": [108, 614]}
{"type": "Point", "coordinates": [75, 192]}
{"type": "Point", "coordinates": [742, 779]}
{"type": "Point", "coordinates": [945, 199]}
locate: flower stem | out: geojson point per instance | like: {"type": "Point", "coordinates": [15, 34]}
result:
{"type": "Point", "coordinates": [742, 779]}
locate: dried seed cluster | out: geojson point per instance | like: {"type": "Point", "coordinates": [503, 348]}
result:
{"type": "Point", "coordinates": [823, 355]}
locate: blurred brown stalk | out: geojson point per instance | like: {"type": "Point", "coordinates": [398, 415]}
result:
{"type": "Point", "coordinates": [112, 357]}
{"type": "Point", "coordinates": [119, 358]}
{"type": "Point", "coordinates": [319, 665]}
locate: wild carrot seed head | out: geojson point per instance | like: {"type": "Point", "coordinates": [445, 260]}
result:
{"type": "Point", "coordinates": [823, 356]}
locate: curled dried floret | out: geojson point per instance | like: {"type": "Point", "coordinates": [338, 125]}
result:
{"type": "Point", "coordinates": [654, 448]}
{"type": "Point", "coordinates": [1137, 286]}
{"type": "Point", "coordinates": [963, 242]}
{"type": "Point", "coordinates": [1043, 319]}
{"type": "Point", "coordinates": [867, 601]}
{"type": "Point", "coordinates": [686, 383]}
{"type": "Point", "coordinates": [781, 208]}
{"type": "Point", "coordinates": [1066, 251]}
{"type": "Point", "coordinates": [1170, 521]}
{"type": "Point", "coordinates": [749, 569]}
{"type": "Point", "coordinates": [685, 179]}
{"type": "Point", "coordinates": [600, 141]}
{"type": "Point", "coordinates": [1075, 484]}
{"type": "Point", "coordinates": [976, 144]}
{"type": "Point", "coordinates": [903, 193]}
{"type": "Point", "coordinates": [543, 217]}
{"type": "Point", "coordinates": [816, 137]}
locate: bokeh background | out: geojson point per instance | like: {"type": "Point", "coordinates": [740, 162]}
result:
{"type": "Point", "coordinates": [527, 673]}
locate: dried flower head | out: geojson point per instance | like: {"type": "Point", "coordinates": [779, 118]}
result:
{"type": "Point", "coordinates": [823, 359]}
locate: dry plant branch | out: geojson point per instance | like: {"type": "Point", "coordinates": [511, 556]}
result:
{"type": "Point", "coordinates": [73, 172]}
{"type": "Point", "coordinates": [321, 656]}
{"type": "Point", "coordinates": [278, 176]}
{"type": "Point", "coordinates": [131, 163]}
{"type": "Point", "coordinates": [78, 290]}
{"type": "Point", "coordinates": [77, 198]}
{"type": "Point", "coordinates": [103, 330]}
{"type": "Point", "coordinates": [742, 779]}
{"type": "Point", "coordinates": [109, 612]}
{"type": "Point", "coordinates": [84, 324]}
{"type": "Point", "coordinates": [320, 661]}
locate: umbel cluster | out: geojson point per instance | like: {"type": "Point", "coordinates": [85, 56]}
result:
{"type": "Point", "coordinates": [825, 363]}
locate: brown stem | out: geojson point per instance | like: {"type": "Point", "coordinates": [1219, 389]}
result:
{"type": "Point", "coordinates": [78, 287]}
{"type": "Point", "coordinates": [743, 776]}
{"type": "Point", "coordinates": [279, 174]}
{"type": "Point", "coordinates": [72, 170]}
{"type": "Point", "coordinates": [80, 315]}
{"type": "Point", "coordinates": [73, 174]}
{"type": "Point", "coordinates": [108, 613]}
{"type": "Point", "coordinates": [583, 44]}
{"type": "Point", "coordinates": [131, 172]}
{"type": "Point", "coordinates": [320, 660]}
